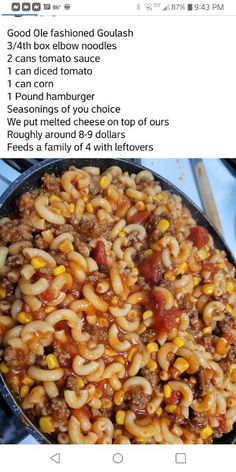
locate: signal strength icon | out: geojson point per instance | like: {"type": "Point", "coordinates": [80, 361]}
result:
{"type": "Point", "coordinates": [148, 6]}
{"type": "Point", "coordinates": [166, 8]}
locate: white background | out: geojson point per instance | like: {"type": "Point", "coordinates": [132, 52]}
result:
{"type": "Point", "coordinates": [181, 68]}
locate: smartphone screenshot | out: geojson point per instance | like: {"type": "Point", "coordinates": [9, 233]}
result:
{"type": "Point", "coordinates": [117, 235]}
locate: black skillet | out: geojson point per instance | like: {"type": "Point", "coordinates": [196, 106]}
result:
{"type": "Point", "coordinates": [31, 179]}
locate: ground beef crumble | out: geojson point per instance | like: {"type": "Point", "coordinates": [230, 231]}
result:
{"type": "Point", "coordinates": [72, 384]}
{"type": "Point", "coordinates": [135, 400]}
{"type": "Point", "coordinates": [14, 231]}
{"type": "Point", "coordinates": [9, 287]}
{"type": "Point", "coordinates": [89, 229]}
{"type": "Point", "coordinates": [51, 184]}
{"type": "Point", "coordinates": [26, 204]}
{"type": "Point", "coordinates": [203, 382]}
{"type": "Point", "coordinates": [16, 261]}
{"type": "Point", "coordinates": [152, 377]}
{"type": "Point", "coordinates": [14, 357]}
{"type": "Point", "coordinates": [148, 336]}
{"type": "Point", "coordinates": [232, 354]}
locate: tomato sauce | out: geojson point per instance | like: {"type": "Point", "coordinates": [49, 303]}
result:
{"type": "Point", "coordinates": [139, 218]}
{"type": "Point", "coordinates": [174, 399]}
{"type": "Point", "coordinates": [48, 295]}
{"type": "Point", "coordinates": [199, 236]}
{"type": "Point", "coordinates": [151, 268]}
{"type": "Point", "coordinates": [209, 267]}
{"type": "Point", "coordinates": [164, 320]}
{"type": "Point", "coordinates": [99, 254]}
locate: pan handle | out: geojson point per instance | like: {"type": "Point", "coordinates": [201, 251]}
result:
{"type": "Point", "coordinates": [20, 165]}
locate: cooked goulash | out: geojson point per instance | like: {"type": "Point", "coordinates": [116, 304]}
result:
{"type": "Point", "coordinates": [117, 313]}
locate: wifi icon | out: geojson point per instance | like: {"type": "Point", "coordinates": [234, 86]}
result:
{"type": "Point", "coordinates": [148, 6]}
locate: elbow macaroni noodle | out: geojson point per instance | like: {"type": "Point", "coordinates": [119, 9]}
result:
{"type": "Point", "coordinates": [119, 314]}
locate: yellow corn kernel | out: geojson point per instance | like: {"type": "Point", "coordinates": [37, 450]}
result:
{"type": "Point", "coordinates": [66, 246]}
{"type": "Point", "coordinates": [85, 198]}
{"type": "Point", "coordinates": [122, 234]}
{"type": "Point", "coordinates": [233, 375]}
{"type": "Point", "coordinates": [49, 309]}
{"type": "Point", "coordinates": [3, 292]}
{"type": "Point", "coordinates": [222, 346]}
{"type": "Point", "coordinates": [169, 276]}
{"type": "Point", "coordinates": [71, 207]}
{"type": "Point", "coordinates": [152, 347]}
{"type": "Point", "coordinates": [38, 262]}
{"type": "Point", "coordinates": [104, 182]}
{"type": "Point", "coordinates": [56, 210]}
{"type": "Point", "coordinates": [141, 439]}
{"type": "Point", "coordinates": [208, 289]}
{"type": "Point", "coordinates": [147, 314]}
{"type": "Point", "coordinates": [58, 270]}
{"type": "Point", "coordinates": [121, 360]}
{"type": "Point", "coordinates": [181, 269]}
{"type": "Point", "coordinates": [178, 341]}
{"type": "Point", "coordinates": [120, 417]}
{"type": "Point", "coordinates": [221, 265]}
{"type": "Point", "coordinates": [103, 322]}
{"type": "Point", "coordinates": [135, 271]}
{"type": "Point", "coordinates": [15, 382]}
{"type": "Point", "coordinates": [171, 408]}
{"type": "Point", "coordinates": [89, 208]}
{"type": "Point", "coordinates": [46, 424]}
{"type": "Point", "coordinates": [229, 286]}
{"type": "Point", "coordinates": [27, 381]}
{"type": "Point", "coordinates": [193, 381]}
{"type": "Point", "coordinates": [163, 225]}
{"type": "Point", "coordinates": [207, 330]}
{"type": "Point", "coordinates": [181, 364]}
{"type": "Point", "coordinates": [3, 368]}
{"type": "Point", "coordinates": [148, 252]}
{"type": "Point", "coordinates": [196, 280]}
{"type": "Point", "coordinates": [152, 365]}
{"type": "Point", "coordinates": [119, 397]}
{"type": "Point", "coordinates": [23, 317]}
{"type": "Point", "coordinates": [80, 382]}
{"type": "Point", "coordinates": [159, 411]}
{"type": "Point", "coordinates": [132, 351]}
{"type": "Point", "coordinates": [51, 361]}
{"type": "Point", "coordinates": [202, 254]}
{"type": "Point", "coordinates": [109, 352]}
{"type": "Point", "coordinates": [24, 391]}
{"type": "Point", "coordinates": [159, 197]}
{"type": "Point", "coordinates": [206, 432]}
{"type": "Point", "coordinates": [117, 432]}
{"type": "Point", "coordinates": [229, 308]}
{"type": "Point", "coordinates": [54, 198]}
{"type": "Point", "coordinates": [167, 391]}
{"type": "Point", "coordinates": [141, 329]}
{"type": "Point", "coordinates": [114, 300]}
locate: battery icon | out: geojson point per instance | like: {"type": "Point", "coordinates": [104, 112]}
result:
{"type": "Point", "coordinates": [190, 7]}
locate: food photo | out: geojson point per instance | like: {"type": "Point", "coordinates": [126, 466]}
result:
{"type": "Point", "coordinates": [117, 302]}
